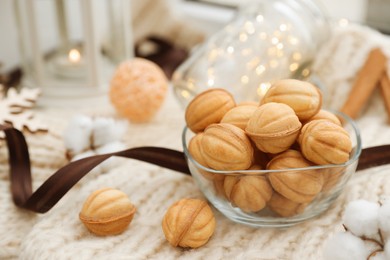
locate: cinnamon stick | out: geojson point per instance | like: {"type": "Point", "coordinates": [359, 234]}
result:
{"type": "Point", "coordinates": [385, 89]}
{"type": "Point", "coordinates": [367, 79]}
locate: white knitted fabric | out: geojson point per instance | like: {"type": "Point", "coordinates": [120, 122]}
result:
{"type": "Point", "coordinates": [59, 234]}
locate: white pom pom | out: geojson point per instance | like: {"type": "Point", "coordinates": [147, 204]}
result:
{"type": "Point", "coordinates": [345, 246]}
{"type": "Point", "coordinates": [361, 218]}
{"type": "Point", "coordinates": [107, 130]}
{"type": "Point", "coordinates": [384, 220]}
{"type": "Point", "coordinates": [77, 135]}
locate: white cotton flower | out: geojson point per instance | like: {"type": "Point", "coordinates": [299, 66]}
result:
{"type": "Point", "coordinates": [384, 220]}
{"type": "Point", "coordinates": [345, 246]}
{"type": "Point", "coordinates": [361, 218]}
{"type": "Point", "coordinates": [77, 134]}
{"type": "Point", "coordinates": [107, 130]}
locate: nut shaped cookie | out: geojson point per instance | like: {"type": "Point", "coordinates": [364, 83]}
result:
{"type": "Point", "coordinates": [285, 207]}
{"type": "Point", "coordinates": [208, 108]}
{"type": "Point", "coordinates": [299, 186]}
{"type": "Point", "coordinates": [196, 151]}
{"type": "Point", "coordinates": [323, 142]}
{"type": "Point", "coordinates": [273, 127]}
{"type": "Point", "coordinates": [107, 211]}
{"type": "Point", "coordinates": [303, 97]}
{"type": "Point", "coordinates": [188, 223]}
{"type": "Point", "coordinates": [239, 116]}
{"type": "Point", "coordinates": [226, 148]}
{"type": "Point", "coordinates": [325, 115]}
{"type": "Point", "coordinates": [249, 193]}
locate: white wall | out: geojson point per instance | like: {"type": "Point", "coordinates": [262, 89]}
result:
{"type": "Point", "coordinates": [9, 49]}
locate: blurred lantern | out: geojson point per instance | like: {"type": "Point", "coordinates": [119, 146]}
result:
{"type": "Point", "coordinates": [267, 40]}
{"type": "Point", "coordinates": [70, 48]}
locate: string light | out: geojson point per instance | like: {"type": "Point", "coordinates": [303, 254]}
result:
{"type": "Point", "coordinates": [259, 18]}
{"type": "Point", "coordinates": [243, 37]}
{"type": "Point", "coordinates": [230, 49]}
{"type": "Point", "coordinates": [244, 79]}
{"type": "Point", "coordinates": [283, 27]}
{"type": "Point", "coordinates": [263, 88]}
{"type": "Point", "coordinates": [260, 69]}
{"type": "Point", "coordinates": [250, 29]}
{"type": "Point", "coordinates": [294, 66]}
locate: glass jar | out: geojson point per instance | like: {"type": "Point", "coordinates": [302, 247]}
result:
{"type": "Point", "coordinates": [70, 48]}
{"type": "Point", "coordinates": [266, 41]}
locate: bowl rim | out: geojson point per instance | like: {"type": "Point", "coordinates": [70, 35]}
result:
{"type": "Point", "coordinates": [352, 160]}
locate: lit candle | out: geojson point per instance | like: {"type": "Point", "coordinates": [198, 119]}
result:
{"type": "Point", "coordinates": [69, 65]}
{"type": "Point", "coordinates": [74, 56]}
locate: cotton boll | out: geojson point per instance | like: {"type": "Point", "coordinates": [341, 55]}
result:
{"type": "Point", "coordinates": [361, 218]}
{"type": "Point", "coordinates": [384, 220]}
{"type": "Point", "coordinates": [345, 246]}
{"type": "Point", "coordinates": [107, 130]}
{"type": "Point", "coordinates": [77, 136]}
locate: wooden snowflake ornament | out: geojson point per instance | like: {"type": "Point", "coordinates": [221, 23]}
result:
{"type": "Point", "coordinates": [14, 109]}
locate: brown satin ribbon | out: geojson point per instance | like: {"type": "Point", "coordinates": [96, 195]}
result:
{"type": "Point", "coordinates": [57, 185]}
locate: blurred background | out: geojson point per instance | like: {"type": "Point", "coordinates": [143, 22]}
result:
{"type": "Point", "coordinates": [195, 20]}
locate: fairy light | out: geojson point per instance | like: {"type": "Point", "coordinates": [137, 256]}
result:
{"type": "Point", "coordinates": [297, 56]}
{"type": "Point", "coordinates": [230, 49]}
{"type": "Point", "coordinates": [279, 45]}
{"type": "Point", "coordinates": [259, 18]}
{"type": "Point", "coordinates": [243, 37]}
{"type": "Point", "coordinates": [210, 82]}
{"type": "Point", "coordinates": [263, 88]}
{"type": "Point", "coordinates": [305, 72]}
{"type": "Point", "coordinates": [283, 27]}
{"type": "Point", "coordinates": [185, 94]}
{"type": "Point", "coordinates": [293, 40]}
{"type": "Point", "coordinates": [250, 29]}
{"type": "Point", "coordinates": [260, 69]}
{"type": "Point", "coordinates": [293, 66]}
{"type": "Point", "coordinates": [244, 79]}
{"type": "Point", "coordinates": [274, 40]}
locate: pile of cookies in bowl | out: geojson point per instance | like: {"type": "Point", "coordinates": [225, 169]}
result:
{"type": "Point", "coordinates": [272, 163]}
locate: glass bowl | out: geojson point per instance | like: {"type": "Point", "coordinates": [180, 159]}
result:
{"type": "Point", "coordinates": [282, 212]}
